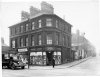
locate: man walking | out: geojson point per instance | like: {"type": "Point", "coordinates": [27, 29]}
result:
{"type": "Point", "coordinates": [53, 63]}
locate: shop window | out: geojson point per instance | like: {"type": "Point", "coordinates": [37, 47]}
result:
{"type": "Point", "coordinates": [36, 58]}
{"type": "Point", "coordinates": [49, 22]}
{"type": "Point", "coordinates": [44, 58]}
{"type": "Point", "coordinates": [40, 23]}
{"type": "Point", "coordinates": [57, 57]}
{"type": "Point", "coordinates": [49, 38]}
{"type": "Point", "coordinates": [33, 25]}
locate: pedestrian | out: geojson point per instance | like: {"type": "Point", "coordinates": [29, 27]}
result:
{"type": "Point", "coordinates": [53, 63]}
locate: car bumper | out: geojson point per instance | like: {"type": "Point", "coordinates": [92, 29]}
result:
{"type": "Point", "coordinates": [20, 65]}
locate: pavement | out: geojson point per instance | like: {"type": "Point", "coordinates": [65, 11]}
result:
{"type": "Point", "coordinates": [84, 67]}
{"type": "Point", "coordinates": [63, 66]}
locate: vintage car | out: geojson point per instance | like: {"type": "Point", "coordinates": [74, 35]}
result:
{"type": "Point", "coordinates": [13, 63]}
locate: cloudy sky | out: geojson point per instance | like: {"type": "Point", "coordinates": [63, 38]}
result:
{"type": "Point", "coordinates": [82, 14]}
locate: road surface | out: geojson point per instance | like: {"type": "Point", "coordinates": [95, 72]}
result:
{"type": "Point", "coordinates": [90, 67]}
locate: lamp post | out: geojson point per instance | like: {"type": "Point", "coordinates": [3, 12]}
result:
{"type": "Point", "coordinates": [28, 46]}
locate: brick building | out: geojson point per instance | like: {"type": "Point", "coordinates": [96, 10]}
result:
{"type": "Point", "coordinates": [43, 37]}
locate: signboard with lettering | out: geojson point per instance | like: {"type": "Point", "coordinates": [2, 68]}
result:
{"type": "Point", "coordinates": [39, 49]}
{"type": "Point", "coordinates": [49, 48]}
{"type": "Point", "coordinates": [58, 49]}
{"type": "Point", "coordinates": [22, 50]}
{"type": "Point", "coordinates": [33, 49]}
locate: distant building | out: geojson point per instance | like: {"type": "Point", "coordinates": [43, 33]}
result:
{"type": "Point", "coordinates": [5, 49]}
{"type": "Point", "coordinates": [81, 45]}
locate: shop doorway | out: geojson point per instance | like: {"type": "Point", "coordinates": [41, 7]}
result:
{"type": "Point", "coordinates": [49, 58]}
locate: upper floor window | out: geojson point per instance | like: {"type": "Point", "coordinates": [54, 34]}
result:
{"type": "Point", "coordinates": [49, 38]}
{"type": "Point", "coordinates": [40, 24]}
{"type": "Point", "coordinates": [68, 39]}
{"type": "Point", "coordinates": [11, 32]}
{"type": "Point", "coordinates": [33, 41]}
{"type": "Point", "coordinates": [14, 30]}
{"type": "Point", "coordinates": [21, 42]}
{"type": "Point", "coordinates": [57, 38]}
{"type": "Point", "coordinates": [40, 41]}
{"type": "Point", "coordinates": [17, 30]}
{"type": "Point", "coordinates": [56, 24]}
{"type": "Point", "coordinates": [49, 22]}
{"type": "Point", "coordinates": [26, 41]}
{"type": "Point", "coordinates": [64, 40]}
{"type": "Point", "coordinates": [33, 25]}
{"type": "Point", "coordinates": [26, 27]}
{"type": "Point", "coordinates": [21, 30]}
{"type": "Point", "coordinates": [64, 27]}
{"type": "Point", "coordinates": [13, 43]}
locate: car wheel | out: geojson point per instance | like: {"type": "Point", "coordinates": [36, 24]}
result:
{"type": "Point", "coordinates": [13, 66]}
{"type": "Point", "coordinates": [8, 67]}
{"type": "Point", "coordinates": [22, 67]}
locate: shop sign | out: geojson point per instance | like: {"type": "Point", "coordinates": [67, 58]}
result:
{"type": "Point", "coordinates": [58, 49]}
{"type": "Point", "coordinates": [39, 49]}
{"type": "Point", "coordinates": [49, 48]}
{"type": "Point", "coordinates": [35, 53]}
{"type": "Point", "coordinates": [22, 50]}
{"type": "Point", "coordinates": [33, 49]}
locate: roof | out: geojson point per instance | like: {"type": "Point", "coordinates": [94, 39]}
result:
{"type": "Point", "coordinates": [40, 14]}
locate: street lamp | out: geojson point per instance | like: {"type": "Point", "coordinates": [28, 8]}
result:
{"type": "Point", "coordinates": [28, 46]}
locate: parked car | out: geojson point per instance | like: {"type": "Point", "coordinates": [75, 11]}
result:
{"type": "Point", "coordinates": [13, 63]}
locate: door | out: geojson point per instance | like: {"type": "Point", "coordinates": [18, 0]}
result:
{"type": "Point", "coordinates": [49, 58]}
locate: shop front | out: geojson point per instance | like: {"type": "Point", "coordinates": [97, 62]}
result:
{"type": "Point", "coordinates": [37, 56]}
{"type": "Point", "coordinates": [40, 56]}
{"type": "Point", "coordinates": [23, 54]}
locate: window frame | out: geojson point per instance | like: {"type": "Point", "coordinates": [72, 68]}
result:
{"type": "Point", "coordinates": [21, 42]}
{"type": "Point", "coordinates": [13, 43]}
{"type": "Point", "coordinates": [49, 39]}
{"type": "Point", "coordinates": [40, 23]}
{"type": "Point", "coordinates": [57, 23]}
{"type": "Point", "coordinates": [49, 22]}
{"type": "Point", "coordinates": [21, 28]}
{"type": "Point", "coordinates": [32, 40]}
{"type": "Point", "coordinates": [39, 39]}
{"type": "Point", "coordinates": [26, 27]}
{"type": "Point", "coordinates": [33, 25]}
{"type": "Point", "coordinates": [26, 41]}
